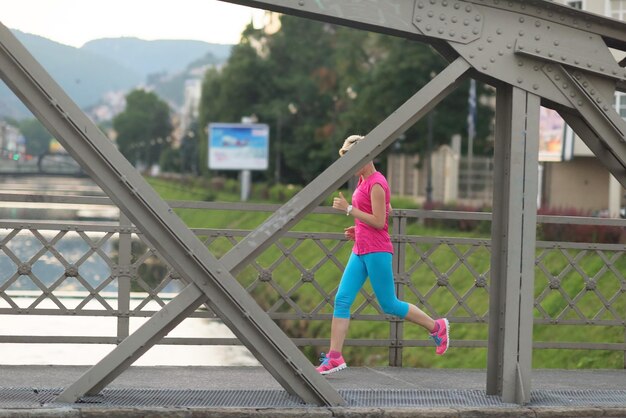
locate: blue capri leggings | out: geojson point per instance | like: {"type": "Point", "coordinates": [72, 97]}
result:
{"type": "Point", "coordinates": [378, 267]}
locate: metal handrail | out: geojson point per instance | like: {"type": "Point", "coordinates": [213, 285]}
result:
{"type": "Point", "coordinates": [410, 246]}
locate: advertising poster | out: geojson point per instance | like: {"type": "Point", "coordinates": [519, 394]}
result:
{"type": "Point", "coordinates": [236, 146]}
{"type": "Point", "coordinates": [551, 135]}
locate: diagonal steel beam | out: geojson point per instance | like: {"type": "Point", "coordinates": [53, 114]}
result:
{"type": "Point", "coordinates": [341, 170]}
{"type": "Point", "coordinates": [611, 30]}
{"type": "Point", "coordinates": [395, 17]}
{"type": "Point", "coordinates": [382, 16]}
{"type": "Point", "coordinates": [603, 129]}
{"type": "Point", "coordinates": [135, 345]}
{"type": "Point", "coordinates": [306, 200]}
{"type": "Point", "coordinates": [178, 245]}
{"type": "Point", "coordinates": [504, 41]}
{"type": "Point", "coordinates": [596, 145]}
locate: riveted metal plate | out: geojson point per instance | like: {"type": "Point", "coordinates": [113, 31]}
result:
{"type": "Point", "coordinates": [452, 20]}
{"type": "Point", "coordinates": [553, 12]}
{"type": "Point", "coordinates": [610, 29]}
{"type": "Point", "coordinates": [494, 52]}
{"type": "Point", "coordinates": [586, 97]}
{"type": "Point", "coordinates": [583, 61]}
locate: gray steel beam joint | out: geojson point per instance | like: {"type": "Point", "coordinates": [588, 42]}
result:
{"type": "Point", "coordinates": [583, 95]}
{"type": "Point", "coordinates": [570, 59]}
{"type": "Point", "coordinates": [457, 21]}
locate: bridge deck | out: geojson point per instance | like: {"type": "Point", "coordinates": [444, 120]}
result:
{"type": "Point", "coordinates": [247, 391]}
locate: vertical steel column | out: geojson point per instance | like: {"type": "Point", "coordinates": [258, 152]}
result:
{"type": "Point", "coordinates": [124, 260]}
{"type": "Point", "coordinates": [513, 244]}
{"type": "Point", "coordinates": [396, 326]}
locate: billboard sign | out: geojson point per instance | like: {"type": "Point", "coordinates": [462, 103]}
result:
{"type": "Point", "coordinates": [552, 138]}
{"type": "Point", "coordinates": [238, 146]}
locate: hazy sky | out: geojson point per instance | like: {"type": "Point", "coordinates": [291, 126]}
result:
{"type": "Point", "coordinates": [74, 22]}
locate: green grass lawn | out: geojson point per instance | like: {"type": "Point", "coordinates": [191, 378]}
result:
{"type": "Point", "coordinates": [443, 258]}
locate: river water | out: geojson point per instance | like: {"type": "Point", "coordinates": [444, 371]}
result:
{"type": "Point", "coordinates": [24, 292]}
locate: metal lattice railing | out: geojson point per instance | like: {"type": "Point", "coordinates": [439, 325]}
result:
{"type": "Point", "coordinates": [81, 269]}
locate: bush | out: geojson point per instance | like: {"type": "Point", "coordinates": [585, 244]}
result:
{"type": "Point", "coordinates": [281, 193]}
{"type": "Point", "coordinates": [218, 183]}
{"type": "Point", "coordinates": [231, 186]}
{"type": "Point", "coordinates": [260, 191]}
{"type": "Point", "coordinates": [576, 233]}
{"type": "Point", "coordinates": [170, 160]}
{"type": "Point", "coordinates": [464, 225]}
{"type": "Point", "coordinates": [402, 202]}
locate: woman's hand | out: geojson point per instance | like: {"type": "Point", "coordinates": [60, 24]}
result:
{"type": "Point", "coordinates": [340, 203]}
{"type": "Point", "coordinates": [349, 233]}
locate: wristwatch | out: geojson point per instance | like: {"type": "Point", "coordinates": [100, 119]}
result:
{"type": "Point", "coordinates": [348, 210]}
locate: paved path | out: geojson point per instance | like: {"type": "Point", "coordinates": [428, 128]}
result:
{"type": "Point", "coordinates": [251, 391]}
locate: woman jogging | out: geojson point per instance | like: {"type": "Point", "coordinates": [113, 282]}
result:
{"type": "Point", "coordinates": [371, 257]}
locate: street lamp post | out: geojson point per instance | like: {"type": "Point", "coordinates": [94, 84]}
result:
{"type": "Point", "coordinates": [246, 175]}
{"type": "Point", "coordinates": [429, 167]}
{"type": "Point", "coordinates": [293, 109]}
{"type": "Point", "coordinates": [279, 131]}
{"type": "Point", "coordinates": [471, 133]}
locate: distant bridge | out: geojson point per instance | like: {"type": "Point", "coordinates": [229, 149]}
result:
{"type": "Point", "coordinates": [47, 164]}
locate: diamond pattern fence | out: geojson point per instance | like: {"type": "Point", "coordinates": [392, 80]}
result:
{"type": "Point", "coordinates": [77, 269]}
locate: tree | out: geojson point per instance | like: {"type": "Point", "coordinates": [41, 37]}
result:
{"type": "Point", "coordinates": [238, 90]}
{"type": "Point", "coordinates": [300, 56]}
{"type": "Point", "coordinates": [342, 81]}
{"type": "Point", "coordinates": [143, 127]}
{"type": "Point", "coordinates": [189, 150]}
{"type": "Point", "coordinates": [401, 68]}
{"type": "Point", "coordinates": [37, 137]}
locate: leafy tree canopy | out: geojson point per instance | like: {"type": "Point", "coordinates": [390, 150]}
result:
{"type": "Point", "coordinates": [143, 127]}
{"type": "Point", "coordinates": [316, 83]}
{"type": "Point", "coordinates": [37, 137]}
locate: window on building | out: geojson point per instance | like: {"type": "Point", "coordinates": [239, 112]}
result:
{"type": "Point", "coordinates": [578, 4]}
{"type": "Point", "coordinates": [620, 104]}
{"type": "Point", "coordinates": [618, 9]}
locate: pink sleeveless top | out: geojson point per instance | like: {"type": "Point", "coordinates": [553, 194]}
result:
{"type": "Point", "coordinates": [367, 238]}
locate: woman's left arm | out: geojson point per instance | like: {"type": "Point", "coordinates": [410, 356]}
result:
{"type": "Point", "coordinates": [375, 219]}
{"type": "Point", "coordinates": [379, 208]}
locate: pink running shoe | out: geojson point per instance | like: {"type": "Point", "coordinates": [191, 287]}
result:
{"type": "Point", "coordinates": [441, 336]}
{"type": "Point", "coordinates": [331, 365]}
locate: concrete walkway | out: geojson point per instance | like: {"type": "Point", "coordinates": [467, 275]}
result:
{"type": "Point", "coordinates": [251, 391]}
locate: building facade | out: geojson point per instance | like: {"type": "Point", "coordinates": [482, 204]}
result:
{"type": "Point", "coordinates": [582, 182]}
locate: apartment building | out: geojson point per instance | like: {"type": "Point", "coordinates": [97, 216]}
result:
{"type": "Point", "coordinates": [579, 180]}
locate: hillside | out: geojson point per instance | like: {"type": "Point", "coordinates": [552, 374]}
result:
{"type": "Point", "coordinates": [171, 86]}
{"type": "Point", "coordinates": [150, 57]}
{"type": "Point", "coordinates": [85, 76]}
{"type": "Point", "coordinates": [106, 65]}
